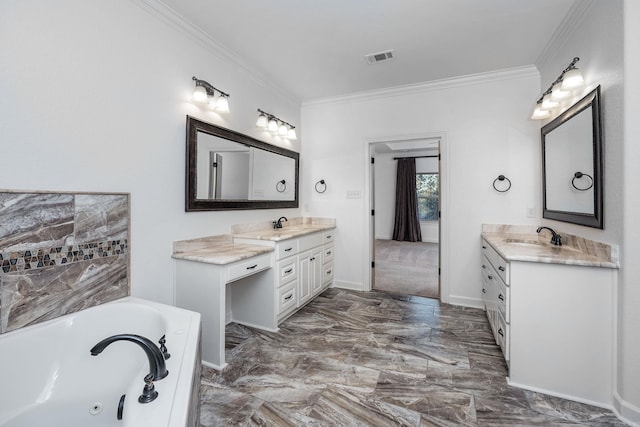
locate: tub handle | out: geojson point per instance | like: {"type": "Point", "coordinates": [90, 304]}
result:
{"type": "Point", "coordinates": [163, 347]}
{"type": "Point", "coordinates": [149, 392]}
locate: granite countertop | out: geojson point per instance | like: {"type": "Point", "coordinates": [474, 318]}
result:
{"type": "Point", "coordinates": [220, 250]}
{"type": "Point", "coordinates": [536, 248]}
{"type": "Point", "coordinates": [284, 233]}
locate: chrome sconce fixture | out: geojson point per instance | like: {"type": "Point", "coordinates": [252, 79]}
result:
{"type": "Point", "coordinates": [205, 93]}
{"type": "Point", "coordinates": [275, 125]}
{"type": "Point", "coordinates": [562, 88]}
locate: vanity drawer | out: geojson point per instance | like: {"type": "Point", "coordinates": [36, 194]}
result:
{"type": "Point", "coordinates": [327, 254]}
{"type": "Point", "coordinates": [327, 236]}
{"type": "Point", "coordinates": [502, 300]}
{"type": "Point", "coordinates": [249, 266]}
{"type": "Point", "coordinates": [503, 340]}
{"type": "Point", "coordinates": [287, 298]}
{"type": "Point", "coordinates": [327, 273]}
{"type": "Point", "coordinates": [287, 248]}
{"type": "Point", "coordinates": [501, 266]}
{"type": "Point", "coordinates": [287, 270]}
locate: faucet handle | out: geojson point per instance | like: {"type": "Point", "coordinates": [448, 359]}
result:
{"type": "Point", "coordinates": [149, 392]}
{"type": "Point", "coordinates": [163, 347]}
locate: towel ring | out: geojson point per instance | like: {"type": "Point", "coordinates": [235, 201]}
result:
{"type": "Point", "coordinates": [501, 178]}
{"type": "Point", "coordinates": [281, 186]}
{"type": "Point", "coordinates": [322, 185]}
{"type": "Point", "coordinates": [579, 175]}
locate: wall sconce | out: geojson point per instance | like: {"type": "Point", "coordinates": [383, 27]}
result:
{"type": "Point", "coordinates": [205, 93]}
{"type": "Point", "coordinates": [562, 88]}
{"type": "Point", "coordinates": [275, 125]}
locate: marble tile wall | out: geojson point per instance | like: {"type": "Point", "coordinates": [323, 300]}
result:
{"type": "Point", "coordinates": [60, 253]}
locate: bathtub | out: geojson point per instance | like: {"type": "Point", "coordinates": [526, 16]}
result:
{"type": "Point", "coordinates": [48, 377]}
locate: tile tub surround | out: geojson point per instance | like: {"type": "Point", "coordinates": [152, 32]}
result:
{"type": "Point", "coordinates": [377, 359]}
{"type": "Point", "coordinates": [575, 250]}
{"type": "Point", "coordinates": [60, 253]}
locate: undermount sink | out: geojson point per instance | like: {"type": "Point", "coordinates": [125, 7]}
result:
{"type": "Point", "coordinates": [530, 243]}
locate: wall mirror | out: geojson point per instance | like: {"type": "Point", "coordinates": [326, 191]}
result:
{"type": "Point", "coordinates": [572, 164]}
{"type": "Point", "coordinates": [227, 170]}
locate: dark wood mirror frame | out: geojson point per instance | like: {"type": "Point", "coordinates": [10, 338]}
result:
{"type": "Point", "coordinates": [194, 204]}
{"type": "Point", "coordinates": [594, 220]}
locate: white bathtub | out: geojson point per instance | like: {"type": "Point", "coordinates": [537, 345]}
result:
{"type": "Point", "coordinates": [48, 377]}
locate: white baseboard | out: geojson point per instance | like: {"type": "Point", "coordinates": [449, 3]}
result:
{"type": "Point", "coordinates": [216, 367]}
{"type": "Point", "coordinates": [627, 412]}
{"type": "Point", "coordinates": [561, 395]}
{"type": "Point", "coordinates": [352, 286]}
{"type": "Point", "coordinates": [465, 301]}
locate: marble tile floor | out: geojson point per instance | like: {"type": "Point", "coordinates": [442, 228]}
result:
{"type": "Point", "coordinates": [376, 359]}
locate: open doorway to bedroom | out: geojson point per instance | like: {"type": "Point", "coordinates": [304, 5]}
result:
{"type": "Point", "coordinates": [401, 264]}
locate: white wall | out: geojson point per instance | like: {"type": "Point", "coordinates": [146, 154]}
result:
{"type": "Point", "coordinates": [488, 133]}
{"type": "Point", "coordinates": [385, 195]}
{"type": "Point", "coordinates": [93, 97]}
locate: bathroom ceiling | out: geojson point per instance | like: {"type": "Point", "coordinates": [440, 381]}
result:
{"type": "Point", "coordinates": [316, 49]}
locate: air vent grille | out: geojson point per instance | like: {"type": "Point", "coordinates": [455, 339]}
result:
{"type": "Point", "coordinates": [372, 58]}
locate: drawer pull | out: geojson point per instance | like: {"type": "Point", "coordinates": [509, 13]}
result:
{"type": "Point", "coordinates": [287, 298]}
{"type": "Point", "coordinates": [288, 249]}
{"type": "Point", "coordinates": [501, 297]}
{"type": "Point", "coordinates": [500, 332]}
{"type": "Point", "coordinates": [328, 272]}
{"type": "Point", "coordinates": [252, 267]}
{"type": "Point", "coordinates": [329, 236]}
{"type": "Point", "coordinates": [484, 291]}
{"type": "Point", "coordinates": [484, 247]}
{"type": "Point", "coordinates": [288, 271]}
{"type": "Point", "coordinates": [484, 266]}
{"type": "Point", "coordinates": [501, 268]}
{"type": "Point", "coordinates": [328, 252]}
{"type": "Point", "coordinates": [490, 277]}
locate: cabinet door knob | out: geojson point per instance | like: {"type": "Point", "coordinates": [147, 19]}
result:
{"type": "Point", "coordinates": [501, 268]}
{"type": "Point", "coordinates": [484, 266]}
{"type": "Point", "coordinates": [484, 291]}
{"type": "Point", "coordinates": [312, 259]}
{"type": "Point", "coordinates": [490, 277]}
{"type": "Point", "coordinates": [484, 247]}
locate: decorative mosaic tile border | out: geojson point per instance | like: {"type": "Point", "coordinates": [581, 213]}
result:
{"type": "Point", "coordinates": [60, 255]}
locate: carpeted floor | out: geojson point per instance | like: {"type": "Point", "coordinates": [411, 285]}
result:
{"type": "Point", "coordinates": [409, 268]}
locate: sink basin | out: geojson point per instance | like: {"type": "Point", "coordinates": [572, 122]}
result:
{"type": "Point", "coordinates": [529, 243]}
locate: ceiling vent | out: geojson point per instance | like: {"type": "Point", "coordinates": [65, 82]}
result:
{"type": "Point", "coordinates": [372, 58]}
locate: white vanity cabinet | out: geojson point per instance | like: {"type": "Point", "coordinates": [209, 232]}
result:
{"type": "Point", "coordinates": [554, 323]}
{"type": "Point", "coordinates": [304, 268]}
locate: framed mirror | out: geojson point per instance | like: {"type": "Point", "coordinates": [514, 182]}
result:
{"type": "Point", "coordinates": [227, 170]}
{"type": "Point", "coordinates": [572, 164]}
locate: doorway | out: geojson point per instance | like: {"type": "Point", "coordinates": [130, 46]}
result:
{"type": "Point", "coordinates": [411, 268]}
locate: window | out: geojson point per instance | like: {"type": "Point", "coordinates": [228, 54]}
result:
{"type": "Point", "coordinates": [427, 186]}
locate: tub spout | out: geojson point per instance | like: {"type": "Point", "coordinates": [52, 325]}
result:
{"type": "Point", "coordinates": [157, 367]}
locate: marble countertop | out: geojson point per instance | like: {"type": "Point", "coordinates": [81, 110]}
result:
{"type": "Point", "coordinates": [536, 248]}
{"type": "Point", "coordinates": [220, 250]}
{"type": "Point", "coordinates": [284, 233]}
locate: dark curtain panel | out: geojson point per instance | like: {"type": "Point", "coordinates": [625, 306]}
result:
{"type": "Point", "coordinates": [407, 225]}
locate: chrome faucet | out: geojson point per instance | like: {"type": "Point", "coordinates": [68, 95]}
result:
{"type": "Point", "coordinates": [556, 239]}
{"type": "Point", "coordinates": [278, 224]}
{"type": "Point", "coordinates": [157, 367]}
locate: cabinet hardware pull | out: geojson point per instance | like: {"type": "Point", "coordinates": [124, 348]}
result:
{"type": "Point", "coordinates": [329, 236]}
{"type": "Point", "coordinates": [312, 259]}
{"type": "Point", "coordinates": [288, 249]}
{"type": "Point", "coordinates": [501, 268]}
{"type": "Point", "coordinates": [484, 247]}
{"type": "Point", "coordinates": [501, 297]}
{"type": "Point", "coordinates": [484, 291]}
{"type": "Point", "coordinates": [500, 332]}
{"type": "Point", "coordinates": [288, 271]}
{"type": "Point", "coordinates": [328, 252]}
{"type": "Point", "coordinates": [328, 272]}
{"type": "Point", "coordinates": [288, 298]}
{"type": "Point", "coordinates": [484, 266]}
{"type": "Point", "coordinates": [252, 267]}
{"type": "Point", "coordinates": [490, 277]}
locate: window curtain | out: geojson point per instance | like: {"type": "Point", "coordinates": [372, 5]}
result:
{"type": "Point", "coordinates": [406, 226]}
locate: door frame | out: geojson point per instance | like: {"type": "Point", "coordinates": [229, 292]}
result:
{"type": "Point", "coordinates": [369, 222]}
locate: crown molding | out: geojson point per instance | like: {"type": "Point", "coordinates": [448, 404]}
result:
{"type": "Point", "coordinates": [567, 27]}
{"type": "Point", "coordinates": [167, 15]}
{"type": "Point", "coordinates": [528, 71]}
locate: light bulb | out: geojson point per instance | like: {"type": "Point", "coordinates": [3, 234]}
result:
{"type": "Point", "coordinates": [548, 103]}
{"type": "Point", "coordinates": [292, 134]}
{"type": "Point", "coordinates": [539, 113]}
{"type": "Point", "coordinates": [200, 95]}
{"type": "Point", "coordinates": [283, 130]}
{"type": "Point", "coordinates": [262, 121]}
{"type": "Point", "coordinates": [557, 93]}
{"type": "Point", "coordinates": [572, 79]}
{"type": "Point", "coordinates": [213, 102]}
{"type": "Point", "coordinates": [222, 104]}
{"type": "Point", "coordinates": [273, 125]}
